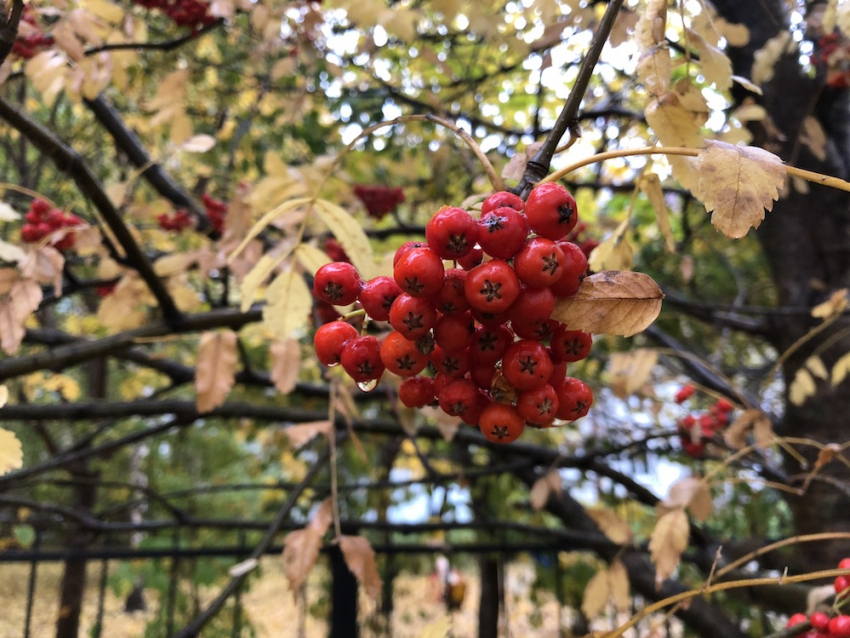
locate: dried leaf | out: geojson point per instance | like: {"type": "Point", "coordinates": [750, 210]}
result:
{"type": "Point", "coordinates": [691, 493]}
{"type": "Point", "coordinates": [11, 328]}
{"type": "Point", "coordinates": [716, 66]}
{"type": "Point", "coordinates": [539, 494]}
{"type": "Point", "coordinates": [650, 184]}
{"type": "Point", "coordinates": [11, 452]}
{"type": "Point", "coordinates": [285, 364]}
{"type": "Point", "coordinates": [650, 28]}
{"type": "Point", "coordinates": [45, 266]}
{"type": "Point", "coordinates": [289, 304]}
{"type": "Point", "coordinates": [816, 367]}
{"type": "Point", "coordinates": [198, 144]}
{"type": "Point", "coordinates": [614, 253]}
{"type": "Point", "coordinates": [300, 553]}
{"type": "Point", "coordinates": [835, 305]}
{"type": "Point", "coordinates": [258, 275]}
{"type": "Point", "coordinates": [738, 183]}
{"type": "Point", "coordinates": [765, 59]}
{"type": "Point", "coordinates": [303, 433]}
{"type": "Point", "coordinates": [360, 558]}
{"type": "Point", "coordinates": [814, 138]}
{"type": "Point", "coordinates": [4, 395]}
{"type": "Point", "coordinates": [618, 583]}
{"type": "Point", "coordinates": [840, 369]}
{"type": "Point", "coordinates": [611, 525]}
{"type": "Point", "coordinates": [735, 435]}
{"type": "Point", "coordinates": [667, 542]}
{"type": "Point", "coordinates": [322, 517]}
{"type": "Point", "coordinates": [763, 433]}
{"type": "Point", "coordinates": [350, 234]}
{"type": "Point", "coordinates": [216, 371]}
{"type": "Point", "coordinates": [596, 594]}
{"type": "Point", "coordinates": [802, 387]}
{"type": "Point", "coordinates": [629, 371]}
{"type": "Point", "coordinates": [654, 68]}
{"type": "Point", "coordinates": [611, 302]}
{"type": "Point", "coordinates": [26, 296]}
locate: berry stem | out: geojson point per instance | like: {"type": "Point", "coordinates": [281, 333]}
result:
{"type": "Point", "coordinates": [333, 459]}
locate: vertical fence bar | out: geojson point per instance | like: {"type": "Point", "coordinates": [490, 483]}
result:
{"type": "Point", "coordinates": [237, 597]}
{"type": "Point", "coordinates": [31, 585]}
{"type": "Point", "coordinates": [173, 578]}
{"type": "Point", "coordinates": [101, 596]}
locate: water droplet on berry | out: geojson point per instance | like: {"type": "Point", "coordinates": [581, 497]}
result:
{"type": "Point", "coordinates": [333, 365]}
{"type": "Point", "coordinates": [367, 386]}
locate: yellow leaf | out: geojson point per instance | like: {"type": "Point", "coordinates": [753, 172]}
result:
{"type": "Point", "coordinates": [257, 275]}
{"type": "Point", "coordinates": [198, 144]}
{"type": "Point", "coordinates": [614, 253]}
{"type": "Point", "coordinates": [350, 234]}
{"type": "Point", "coordinates": [11, 452]}
{"type": "Point", "coordinates": [611, 525]}
{"type": "Point", "coordinates": [840, 369]}
{"type": "Point", "coordinates": [303, 433]}
{"type": "Point", "coordinates": [289, 304]}
{"type": "Point", "coordinates": [311, 258]}
{"type": "Point", "coordinates": [285, 364]}
{"type": "Point", "coordinates": [765, 59]}
{"type": "Point", "coordinates": [835, 305]}
{"type": "Point", "coordinates": [692, 493]}
{"type": "Point", "coordinates": [611, 302]}
{"type": "Point", "coordinates": [174, 264]}
{"type": "Point", "coordinates": [716, 66]}
{"type": "Point", "coordinates": [654, 69]}
{"type": "Point", "coordinates": [106, 10]}
{"type": "Point", "coordinates": [216, 368]}
{"type": "Point", "coordinates": [8, 214]}
{"type": "Point", "coordinates": [596, 594]}
{"type": "Point", "coordinates": [629, 371]}
{"type": "Point", "coordinates": [802, 387]}
{"type": "Point", "coordinates": [816, 367]}
{"type": "Point", "coordinates": [814, 137]}
{"type": "Point", "coordinates": [650, 28]}
{"type": "Point", "coordinates": [737, 184]}
{"type": "Point", "coordinates": [267, 219]}
{"type": "Point", "coordinates": [650, 184]}
{"type": "Point", "coordinates": [360, 558]}
{"type": "Point", "coordinates": [440, 628]}
{"type": "Point", "coordinates": [618, 582]}
{"type": "Point", "coordinates": [667, 542]}
{"type": "Point", "coordinates": [843, 18]}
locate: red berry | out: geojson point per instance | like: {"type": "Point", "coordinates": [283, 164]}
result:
{"type": "Point", "coordinates": [453, 332]}
{"type": "Point", "coordinates": [575, 269]}
{"type": "Point", "coordinates": [489, 344]}
{"type": "Point", "coordinates": [551, 211]}
{"type": "Point", "coordinates": [502, 232]}
{"type": "Point", "coordinates": [526, 365]}
{"type": "Point", "coordinates": [471, 259]}
{"type": "Point", "coordinates": [451, 233]}
{"type": "Point", "coordinates": [361, 359]}
{"type": "Point", "coordinates": [459, 397]}
{"type": "Point", "coordinates": [330, 339]}
{"type": "Point", "coordinates": [39, 207]}
{"type": "Point", "coordinates": [401, 357]}
{"type": "Point", "coordinates": [820, 621]}
{"type": "Point", "coordinates": [472, 415]}
{"type": "Point", "coordinates": [452, 298]}
{"type": "Point", "coordinates": [412, 317]}
{"type": "Point", "coordinates": [335, 250]}
{"type": "Point", "coordinates": [570, 345]}
{"type": "Point", "coordinates": [539, 405]}
{"type": "Point", "coordinates": [532, 304]}
{"type": "Point", "coordinates": [492, 287]}
{"type": "Point", "coordinates": [337, 283]}
{"type": "Point", "coordinates": [30, 234]}
{"type": "Point", "coordinates": [420, 273]}
{"type": "Point", "coordinates": [539, 330]}
{"type": "Point", "coordinates": [453, 364]}
{"type": "Point", "coordinates": [839, 627]}
{"type": "Point", "coordinates": [482, 375]}
{"type": "Point", "coordinates": [490, 319]}
{"type": "Point", "coordinates": [842, 584]}
{"type": "Point", "coordinates": [325, 312]}
{"type": "Point", "coordinates": [540, 263]}
{"type": "Point", "coordinates": [377, 297]}
{"type": "Point", "coordinates": [441, 380]}
{"type": "Point", "coordinates": [724, 406]}
{"type": "Point", "coordinates": [559, 373]}
{"type": "Point", "coordinates": [844, 563]}
{"type": "Point", "coordinates": [684, 393]}
{"type": "Point", "coordinates": [44, 229]}
{"type": "Point", "coordinates": [695, 450]}
{"type": "Point", "coordinates": [500, 423]}
{"type": "Point", "coordinates": [502, 199]}
{"type": "Point", "coordinates": [416, 392]}
{"type": "Point", "coordinates": [575, 399]}
{"type": "Point", "coordinates": [405, 248]}
{"type": "Point", "coordinates": [32, 217]}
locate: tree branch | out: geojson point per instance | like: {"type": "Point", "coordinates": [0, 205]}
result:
{"type": "Point", "coordinates": [9, 29]}
{"type": "Point", "coordinates": [711, 313]}
{"type": "Point", "coordinates": [69, 161]}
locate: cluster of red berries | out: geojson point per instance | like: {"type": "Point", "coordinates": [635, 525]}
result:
{"type": "Point", "coordinates": [41, 221]}
{"type": "Point", "coordinates": [464, 321]}
{"type": "Point", "coordinates": [379, 200]}
{"type": "Point", "coordinates": [216, 212]}
{"type": "Point", "coordinates": [192, 14]}
{"type": "Point", "coordinates": [833, 55]}
{"type": "Point", "coordinates": [824, 626]}
{"type": "Point", "coordinates": [587, 244]}
{"type": "Point", "coordinates": [696, 429]}
{"type": "Point", "coordinates": [31, 39]}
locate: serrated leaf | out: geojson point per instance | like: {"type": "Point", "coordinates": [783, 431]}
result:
{"type": "Point", "coordinates": [289, 305]}
{"type": "Point", "coordinates": [611, 525]}
{"type": "Point", "coordinates": [303, 433]}
{"type": "Point", "coordinates": [285, 364]}
{"type": "Point", "coordinates": [360, 558]}
{"type": "Point", "coordinates": [11, 452]}
{"type": "Point", "coordinates": [216, 368]}
{"type": "Point", "coordinates": [350, 234]}
{"type": "Point", "coordinates": [765, 59]}
{"type": "Point", "coordinates": [596, 594]}
{"type": "Point", "coordinates": [668, 540]}
{"type": "Point", "coordinates": [311, 258]}
{"type": "Point", "coordinates": [611, 302]}
{"type": "Point", "coordinates": [737, 184]}
{"type": "Point", "coordinates": [650, 184]}
{"type": "Point", "coordinates": [300, 553]}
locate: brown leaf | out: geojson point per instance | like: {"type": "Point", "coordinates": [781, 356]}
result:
{"type": "Point", "coordinates": [669, 539]}
{"type": "Point", "coordinates": [11, 328]}
{"type": "Point", "coordinates": [618, 582]}
{"type": "Point", "coordinates": [735, 435]}
{"type": "Point", "coordinates": [45, 266]}
{"type": "Point", "coordinates": [629, 371]}
{"type": "Point", "coordinates": [302, 433]}
{"type": "Point", "coordinates": [26, 296]}
{"type": "Point", "coordinates": [611, 302]}
{"type": "Point", "coordinates": [323, 517]}
{"type": "Point", "coordinates": [827, 453]}
{"type": "Point", "coordinates": [650, 184]}
{"type": "Point", "coordinates": [286, 364]}
{"type": "Point", "coordinates": [737, 184]}
{"type": "Point", "coordinates": [654, 69]}
{"type": "Point", "coordinates": [763, 433]}
{"type": "Point", "coordinates": [360, 558]}
{"type": "Point", "coordinates": [300, 552]}
{"type": "Point", "coordinates": [692, 493]}
{"type": "Point", "coordinates": [611, 525]}
{"type": "Point", "coordinates": [539, 494]}
{"type": "Point", "coordinates": [596, 594]}
{"type": "Point", "coordinates": [650, 28]}
{"type": "Point", "coordinates": [216, 371]}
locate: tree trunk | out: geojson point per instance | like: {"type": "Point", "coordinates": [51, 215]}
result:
{"type": "Point", "coordinates": [805, 239]}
